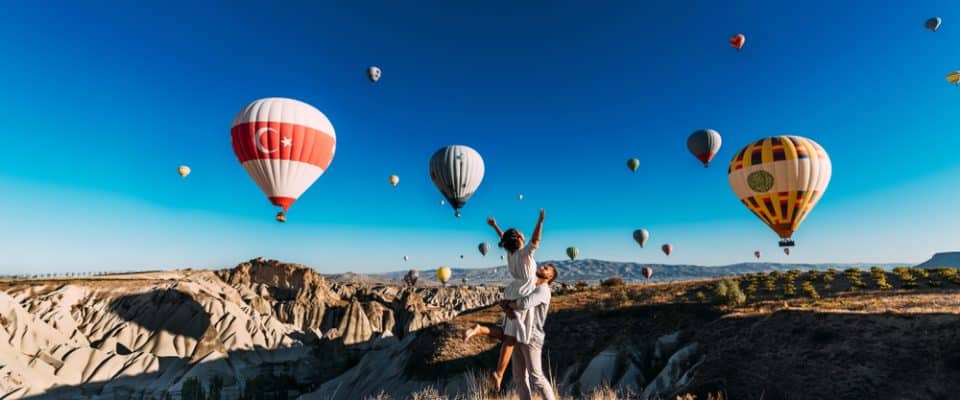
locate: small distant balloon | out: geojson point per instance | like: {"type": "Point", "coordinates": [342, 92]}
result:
{"type": "Point", "coordinates": [183, 170]}
{"type": "Point", "coordinates": [443, 275]}
{"type": "Point", "coordinates": [647, 272]}
{"type": "Point", "coordinates": [633, 164]}
{"type": "Point", "coordinates": [461, 256]}
{"type": "Point", "coordinates": [501, 257]}
{"type": "Point", "coordinates": [519, 197]}
{"type": "Point", "coordinates": [442, 202]}
{"type": "Point", "coordinates": [484, 248]}
{"type": "Point", "coordinates": [394, 180]}
{"type": "Point", "coordinates": [786, 250]}
{"type": "Point", "coordinates": [737, 41]}
{"type": "Point", "coordinates": [954, 77]}
{"type": "Point", "coordinates": [756, 254]}
{"type": "Point", "coordinates": [373, 73]}
{"type": "Point", "coordinates": [405, 258]}
{"type": "Point", "coordinates": [933, 24]}
{"type": "Point", "coordinates": [573, 252]}
{"type": "Point", "coordinates": [641, 236]}
{"type": "Point", "coordinates": [704, 144]}
{"type": "Point", "coordinates": [667, 249]}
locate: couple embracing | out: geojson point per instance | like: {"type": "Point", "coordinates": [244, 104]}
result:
{"type": "Point", "coordinates": [527, 300]}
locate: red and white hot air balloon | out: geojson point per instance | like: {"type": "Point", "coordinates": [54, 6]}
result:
{"type": "Point", "coordinates": [284, 145]}
{"type": "Point", "coordinates": [737, 41]}
{"type": "Point", "coordinates": [667, 249]}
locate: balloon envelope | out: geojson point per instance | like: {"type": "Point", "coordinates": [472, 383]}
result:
{"type": "Point", "coordinates": [647, 272]}
{"type": "Point", "coordinates": [373, 73]}
{"type": "Point", "coordinates": [933, 23]}
{"type": "Point", "coordinates": [457, 172]}
{"type": "Point", "coordinates": [786, 250]}
{"type": "Point", "coordinates": [183, 170]}
{"type": "Point", "coordinates": [704, 144]}
{"type": "Point", "coordinates": [633, 164]}
{"type": "Point", "coordinates": [443, 274]}
{"type": "Point", "coordinates": [484, 248]}
{"type": "Point", "coordinates": [954, 77]}
{"type": "Point", "coordinates": [641, 236]}
{"type": "Point", "coordinates": [284, 145]}
{"type": "Point", "coordinates": [573, 252]}
{"type": "Point", "coordinates": [756, 254]}
{"type": "Point", "coordinates": [405, 258]}
{"type": "Point", "coordinates": [737, 41]}
{"type": "Point", "coordinates": [394, 180]}
{"type": "Point", "coordinates": [780, 179]}
{"type": "Point", "coordinates": [667, 249]}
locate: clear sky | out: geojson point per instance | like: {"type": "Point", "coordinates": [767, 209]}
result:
{"type": "Point", "coordinates": [103, 100]}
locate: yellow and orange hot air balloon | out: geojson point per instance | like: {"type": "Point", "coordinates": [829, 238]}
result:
{"type": "Point", "coordinates": [443, 275]}
{"type": "Point", "coordinates": [394, 180]}
{"type": "Point", "coordinates": [780, 179]}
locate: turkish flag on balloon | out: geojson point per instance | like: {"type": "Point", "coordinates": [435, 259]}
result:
{"type": "Point", "coordinates": [284, 145]}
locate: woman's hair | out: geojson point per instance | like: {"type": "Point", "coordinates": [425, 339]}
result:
{"type": "Point", "coordinates": [509, 240]}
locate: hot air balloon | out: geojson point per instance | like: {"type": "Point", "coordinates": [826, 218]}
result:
{"type": "Point", "coordinates": [573, 252]}
{"type": "Point", "coordinates": [737, 41]}
{"type": "Point", "coordinates": [461, 256]}
{"type": "Point", "coordinates": [484, 248]}
{"type": "Point", "coordinates": [519, 197]}
{"type": "Point", "coordinates": [933, 23]}
{"type": "Point", "coordinates": [394, 180]}
{"type": "Point", "coordinates": [954, 77]}
{"type": "Point", "coordinates": [183, 170]}
{"type": "Point", "coordinates": [442, 202]}
{"type": "Point", "coordinates": [443, 275]}
{"type": "Point", "coordinates": [405, 258]}
{"type": "Point", "coordinates": [704, 144]}
{"type": "Point", "coordinates": [786, 250]}
{"type": "Point", "coordinates": [780, 179]}
{"type": "Point", "coordinates": [284, 145]}
{"type": "Point", "coordinates": [457, 171]}
{"type": "Point", "coordinates": [641, 236]}
{"type": "Point", "coordinates": [373, 73]}
{"type": "Point", "coordinates": [501, 257]}
{"type": "Point", "coordinates": [411, 277]}
{"type": "Point", "coordinates": [667, 249]}
{"type": "Point", "coordinates": [756, 254]}
{"type": "Point", "coordinates": [633, 164]}
{"type": "Point", "coordinates": [647, 272]}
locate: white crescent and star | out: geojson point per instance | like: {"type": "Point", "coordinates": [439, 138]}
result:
{"type": "Point", "coordinates": [286, 142]}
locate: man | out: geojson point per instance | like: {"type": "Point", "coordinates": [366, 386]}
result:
{"type": "Point", "coordinates": [527, 358]}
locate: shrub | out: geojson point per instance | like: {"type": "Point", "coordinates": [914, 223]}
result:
{"type": "Point", "coordinates": [880, 278]}
{"type": "Point", "coordinates": [582, 285]}
{"type": "Point", "coordinates": [770, 283]}
{"type": "Point", "coordinates": [921, 273]}
{"type": "Point", "coordinates": [809, 290]}
{"type": "Point", "coordinates": [728, 293]}
{"type": "Point", "coordinates": [702, 298]}
{"type": "Point", "coordinates": [616, 299]}
{"type": "Point", "coordinates": [813, 275]}
{"type": "Point", "coordinates": [613, 282]}
{"type": "Point", "coordinates": [789, 289]}
{"type": "Point", "coordinates": [935, 283]}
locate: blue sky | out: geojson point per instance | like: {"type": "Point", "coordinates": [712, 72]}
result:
{"type": "Point", "coordinates": [104, 100]}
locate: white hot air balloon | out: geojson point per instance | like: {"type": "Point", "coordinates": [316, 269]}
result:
{"type": "Point", "coordinates": [457, 172]}
{"type": "Point", "coordinates": [373, 73]}
{"type": "Point", "coordinates": [284, 145]}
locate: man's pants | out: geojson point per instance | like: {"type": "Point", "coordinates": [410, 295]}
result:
{"type": "Point", "coordinates": [528, 371]}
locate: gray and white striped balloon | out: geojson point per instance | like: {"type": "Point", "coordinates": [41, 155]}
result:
{"type": "Point", "coordinates": [457, 171]}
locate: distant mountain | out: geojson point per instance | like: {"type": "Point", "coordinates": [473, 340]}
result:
{"type": "Point", "coordinates": [948, 259]}
{"type": "Point", "coordinates": [592, 271]}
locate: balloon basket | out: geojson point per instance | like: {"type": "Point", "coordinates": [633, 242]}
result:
{"type": "Point", "coordinates": [786, 243]}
